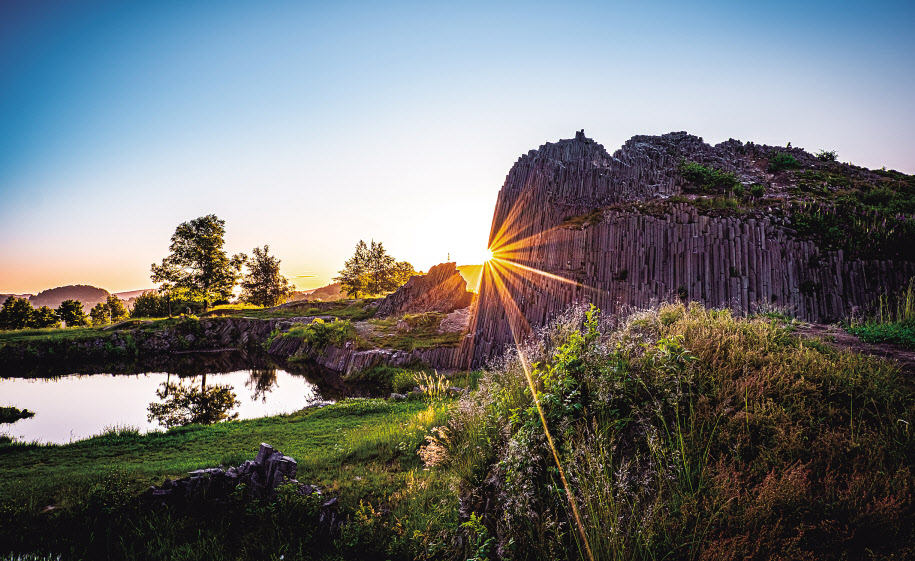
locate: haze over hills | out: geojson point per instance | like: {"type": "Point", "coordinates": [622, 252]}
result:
{"type": "Point", "coordinates": [127, 295]}
{"type": "Point", "coordinates": [330, 292]}
{"type": "Point", "coordinates": [88, 295]}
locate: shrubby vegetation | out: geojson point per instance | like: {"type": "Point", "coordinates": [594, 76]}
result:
{"type": "Point", "coordinates": [71, 313]}
{"type": "Point", "coordinates": [893, 322]}
{"type": "Point", "coordinates": [18, 313]}
{"type": "Point", "coordinates": [781, 161]}
{"type": "Point", "coordinates": [684, 433]}
{"type": "Point", "coordinates": [707, 180]}
{"type": "Point", "coordinates": [319, 334]}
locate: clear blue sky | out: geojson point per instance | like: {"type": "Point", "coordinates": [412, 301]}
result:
{"type": "Point", "coordinates": [310, 126]}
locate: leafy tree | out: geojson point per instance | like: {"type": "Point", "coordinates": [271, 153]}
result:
{"type": "Point", "coordinates": [72, 314]}
{"type": "Point", "coordinates": [264, 285]}
{"type": "Point", "coordinates": [402, 273]}
{"type": "Point", "coordinates": [380, 270]}
{"type": "Point", "coordinates": [353, 276]}
{"type": "Point", "coordinates": [116, 308]}
{"type": "Point", "coordinates": [100, 314]}
{"type": "Point", "coordinates": [186, 404]}
{"type": "Point", "coordinates": [16, 313]}
{"type": "Point", "coordinates": [198, 266]}
{"type": "Point", "coordinates": [149, 305]}
{"type": "Point", "coordinates": [44, 317]}
{"type": "Point", "coordinates": [372, 271]}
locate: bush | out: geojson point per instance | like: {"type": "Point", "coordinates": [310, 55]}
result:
{"type": "Point", "coordinates": [319, 334]}
{"type": "Point", "coordinates": [827, 155]}
{"type": "Point", "coordinates": [758, 190]}
{"type": "Point", "coordinates": [782, 161]}
{"type": "Point", "coordinates": [707, 180]}
{"type": "Point", "coordinates": [684, 432]}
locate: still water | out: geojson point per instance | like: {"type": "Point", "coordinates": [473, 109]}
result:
{"type": "Point", "coordinates": [74, 407]}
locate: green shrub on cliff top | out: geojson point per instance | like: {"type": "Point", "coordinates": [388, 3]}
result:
{"type": "Point", "coordinates": [707, 180]}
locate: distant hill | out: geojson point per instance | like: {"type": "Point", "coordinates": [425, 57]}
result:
{"type": "Point", "coordinates": [323, 294]}
{"type": "Point", "coordinates": [471, 274]}
{"type": "Point", "coordinates": [88, 295]}
{"type": "Point", "coordinates": [130, 294]}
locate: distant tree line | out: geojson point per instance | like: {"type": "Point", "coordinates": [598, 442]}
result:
{"type": "Point", "coordinates": [198, 273]}
{"type": "Point", "coordinates": [18, 313]}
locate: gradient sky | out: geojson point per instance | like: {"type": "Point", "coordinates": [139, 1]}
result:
{"type": "Point", "coordinates": [310, 126]}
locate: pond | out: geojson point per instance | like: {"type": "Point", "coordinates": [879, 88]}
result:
{"type": "Point", "coordinates": [70, 407]}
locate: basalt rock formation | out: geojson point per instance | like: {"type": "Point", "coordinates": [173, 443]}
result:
{"type": "Point", "coordinates": [573, 223]}
{"type": "Point", "coordinates": [442, 289]}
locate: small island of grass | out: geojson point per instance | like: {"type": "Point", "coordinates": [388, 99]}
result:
{"type": "Point", "coordinates": [13, 414]}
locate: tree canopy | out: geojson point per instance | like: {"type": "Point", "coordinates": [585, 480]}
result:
{"type": "Point", "coordinates": [198, 267]}
{"type": "Point", "coordinates": [71, 312]}
{"type": "Point", "coordinates": [100, 314]}
{"type": "Point", "coordinates": [44, 317]}
{"type": "Point", "coordinates": [263, 285]}
{"type": "Point", "coordinates": [116, 309]}
{"type": "Point", "coordinates": [371, 271]}
{"type": "Point", "coordinates": [16, 313]}
{"type": "Point", "coordinates": [149, 305]}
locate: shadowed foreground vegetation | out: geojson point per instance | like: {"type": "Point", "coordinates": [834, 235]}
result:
{"type": "Point", "coordinates": [894, 321]}
{"type": "Point", "coordinates": [680, 433]}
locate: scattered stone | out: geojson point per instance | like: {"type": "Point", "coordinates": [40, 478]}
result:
{"type": "Point", "coordinates": [261, 477]}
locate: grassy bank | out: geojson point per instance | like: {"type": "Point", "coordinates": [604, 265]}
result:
{"type": "Point", "coordinates": [894, 321]}
{"type": "Point", "coordinates": [78, 499]}
{"type": "Point", "coordinates": [685, 433]}
{"type": "Point", "coordinates": [344, 309]}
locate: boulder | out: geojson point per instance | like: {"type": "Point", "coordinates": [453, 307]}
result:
{"type": "Point", "coordinates": [261, 477]}
{"type": "Point", "coordinates": [442, 289]}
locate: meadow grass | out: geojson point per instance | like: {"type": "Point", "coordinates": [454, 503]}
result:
{"type": "Point", "coordinates": [362, 451]}
{"type": "Point", "coordinates": [893, 321]}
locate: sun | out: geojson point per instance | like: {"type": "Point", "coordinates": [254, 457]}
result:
{"type": "Point", "coordinates": [487, 255]}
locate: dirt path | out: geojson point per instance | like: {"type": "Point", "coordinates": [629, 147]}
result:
{"type": "Point", "coordinates": [835, 336]}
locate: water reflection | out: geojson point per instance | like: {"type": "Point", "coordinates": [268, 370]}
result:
{"type": "Point", "coordinates": [184, 404]}
{"type": "Point", "coordinates": [187, 388]}
{"type": "Point", "coordinates": [261, 381]}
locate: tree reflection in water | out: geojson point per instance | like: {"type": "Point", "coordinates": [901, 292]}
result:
{"type": "Point", "coordinates": [261, 382]}
{"type": "Point", "coordinates": [187, 404]}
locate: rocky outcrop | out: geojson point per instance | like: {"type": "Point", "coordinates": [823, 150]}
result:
{"type": "Point", "coordinates": [442, 289]}
{"type": "Point", "coordinates": [261, 477]}
{"type": "Point", "coordinates": [572, 224]}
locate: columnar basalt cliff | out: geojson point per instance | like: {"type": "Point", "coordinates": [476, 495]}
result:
{"type": "Point", "coordinates": [574, 224]}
